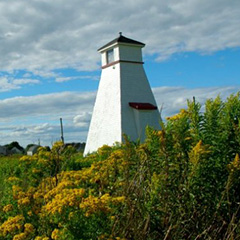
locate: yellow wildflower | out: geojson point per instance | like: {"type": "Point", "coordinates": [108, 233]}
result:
{"type": "Point", "coordinates": [30, 213]}
{"type": "Point", "coordinates": [34, 170]}
{"type": "Point", "coordinates": [55, 234]}
{"type": "Point", "coordinates": [16, 189]}
{"type": "Point", "coordinates": [178, 116]}
{"type": "Point", "coordinates": [24, 201]}
{"type": "Point", "coordinates": [235, 164]}
{"type": "Point", "coordinates": [14, 179]}
{"type": "Point", "coordinates": [8, 208]}
{"type": "Point", "coordinates": [67, 198]}
{"type": "Point", "coordinates": [28, 228]}
{"type": "Point", "coordinates": [118, 199]}
{"type": "Point", "coordinates": [196, 152]}
{"type": "Point", "coordinates": [41, 238]}
{"type": "Point", "coordinates": [38, 238]}
{"type": "Point", "coordinates": [27, 159]}
{"type": "Point", "coordinates": [12, 224]}
{"type": "Point", "coordinates": [93, 204]}
{"type": "Point", "coordinates": [20, 236]}
{"type": "Point", "coordinates": [105, 149]}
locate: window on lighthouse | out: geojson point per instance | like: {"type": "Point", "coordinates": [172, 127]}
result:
{"type": "Point", "coordinates": [110, 56]}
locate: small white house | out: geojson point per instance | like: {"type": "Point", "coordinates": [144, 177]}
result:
{"type": "Point", "coordinates": [32, 150]}
{"type": "Point", "coordinates": [125, 103]}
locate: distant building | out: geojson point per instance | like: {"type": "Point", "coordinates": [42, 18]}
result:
{"type": "Point", "coordinates": [32, 150]}
{"type": "Point", "coordinates": [3, 151]}
{"type": "Point", "coordinates": [125, 103]}
{"type": "Point", "coordinates": [16, 150]}
{"type": "Point", "coordinates": [76, 145]}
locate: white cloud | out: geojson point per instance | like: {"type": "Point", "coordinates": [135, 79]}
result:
{"type": "Point", "coordinates": [82, 120]}
{"type": "Point", "coordinates": [45, 73]}
{"type": "Point", "coordinates": [172, 99]}
{"type": "Point", "coordinates": [27, 75]}
{"type": "Point", "coordinates": [8, 83]}
{"type": "Point", "coordinates": [46, 105]}
{"type": "Point", "coordinates": [67, 79]}
{"type": "Point", "coordinates": [25, 81]}
{"type": "Point", "coordinates": [27, 119]}
{"type": "Point", "coordinates": [46, 35]}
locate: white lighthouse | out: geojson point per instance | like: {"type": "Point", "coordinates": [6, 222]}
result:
{"type": "Point", "coordinates": [125, 103]}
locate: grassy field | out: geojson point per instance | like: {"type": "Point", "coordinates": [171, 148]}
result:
{"type": "Point", "coordinates": [8, 167]}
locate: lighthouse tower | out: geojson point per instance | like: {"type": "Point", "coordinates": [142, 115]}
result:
{"type": "Point", "coordinates": [125, 103]}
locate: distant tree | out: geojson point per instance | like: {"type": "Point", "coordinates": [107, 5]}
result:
{"type": "Point", "coordinates": [14, 144]}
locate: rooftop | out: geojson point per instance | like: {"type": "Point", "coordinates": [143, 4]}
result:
{"type": "Point", "coordinates": [122, 39]}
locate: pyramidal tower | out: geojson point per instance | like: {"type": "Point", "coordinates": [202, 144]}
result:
{"type": "Point", "coordinates": [124, 103]}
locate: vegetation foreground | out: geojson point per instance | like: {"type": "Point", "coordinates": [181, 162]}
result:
{"type": "Point", "coordinates": [183, 182]}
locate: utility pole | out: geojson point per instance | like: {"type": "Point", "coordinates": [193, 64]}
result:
{"type": "Point", "coordinates": [62, 138]}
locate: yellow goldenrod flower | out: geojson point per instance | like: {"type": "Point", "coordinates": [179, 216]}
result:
{"type": "Point", "coordinates": [29, 228]}
{"type": "Point", "coordinates": [55, 234]}
{"type": "Point", "coordinates": [20, 236]}
{"type": "Point", "coordinates": [23, 201]}
{"type": "Point", "coordinates": [12, 224]}
{"type": "Point", "coordinates": [8, 208]}
{"type": "Point", "coordinates": [178, 116]}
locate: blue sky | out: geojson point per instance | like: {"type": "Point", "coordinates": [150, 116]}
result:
{"type": "Point", "coordinates": [193, 70]}
{"type": "Point", "coordinates": [50, 67]}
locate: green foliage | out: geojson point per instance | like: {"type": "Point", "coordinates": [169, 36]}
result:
{"type": "Point", "coordinates": [8, 167]}
{"type": "Point", "coordinates": [14, 144]}
{"type": "Point", "coordinates": [182, 183]}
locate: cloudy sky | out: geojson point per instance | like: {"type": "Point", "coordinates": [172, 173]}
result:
{"type": "Point", "coordinates": [50, 67]}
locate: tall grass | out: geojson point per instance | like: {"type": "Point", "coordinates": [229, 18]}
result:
{"type": "Point", "coordinates": [8, 167]}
